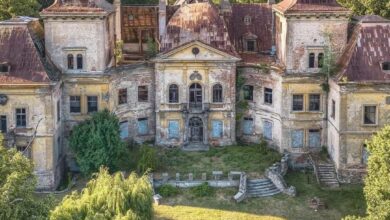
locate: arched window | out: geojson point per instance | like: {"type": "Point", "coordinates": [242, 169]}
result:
{"type": "Point", "coordinates": [173, 93]}
{"type": "Point", "coordinates": [217, 93]}
{"type": "Point", "coordinates": [70, 62]}
{"type": "Point", "coordinates": [320, 60]}
{"type": "Point", "coordinates": [79, 61]}
{"type": "Point", "coordinates": [311, 60]}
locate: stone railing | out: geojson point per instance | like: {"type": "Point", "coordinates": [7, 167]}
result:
{"type": "Point", "coordinates": [276, 173]}
{"type": "Point", "coordinates": [241, 194]}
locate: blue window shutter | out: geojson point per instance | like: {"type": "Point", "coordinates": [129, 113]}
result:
{"type": "Point", "coordinates": [143, 126]}
{"type": "Point", "coordinates": [124, 129]}
{"type": "Point", "coordinates": [217, 129]}
{"type": "Point", "coordinates": [267, 130]}
{"type": "Point", "coordinates": [314, 139]}
{"type": "Point", "coordinates": [248, 126]}
{"type": "Point", "coordinates": [173, 129]}
{"type": "Point", "coordinates": [297, 138]}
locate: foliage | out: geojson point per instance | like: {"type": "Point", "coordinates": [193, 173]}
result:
{"type": "Point", "coordinates": [17, 185]}
{"type": "Point", "coordinates": [109, 197]}
{"type": "Point", "coordinates": [202, 190]}
{"type": "Point", "coordinates": [168, 191]}
{"type": "Point", "coordinates": [148, 159]}
{"type": "Point", "coordinates": [118, 51]}
{"type": "Point", "coordinates": [362, 7]}
{"type": "Point", "coordinates": [13, 8]}
{"type": "Point", "coordinates": [96, 142]}
{"type": "Point", "coordinates": [329, 62]}
{"type": "Point", "coordinates": [45, 3]}
{"type": "Point", "coordinates": [151, 49]}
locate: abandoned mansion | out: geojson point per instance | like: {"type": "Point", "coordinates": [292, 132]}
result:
{"type": "Point", "coordinates": [299, 74]}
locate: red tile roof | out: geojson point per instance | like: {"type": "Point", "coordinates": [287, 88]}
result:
{"type": "Point", "coordinates": [19, 42]}
{"type": "Point", "coordinates": [310, 6]}
{"type": "Point", "coordinates": [74, 6]}
{"type": "Point", "coordinates": [197, 21]}
{"type": "Point", "coordinates": [367, 49]}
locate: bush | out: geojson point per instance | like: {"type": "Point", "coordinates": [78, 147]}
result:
{"type": "Point", "coordinates": [168, 191]}
{"type": "Point", "coordinates": [148, 159]}
{"type": "Point", "coordinates": [203, 190]}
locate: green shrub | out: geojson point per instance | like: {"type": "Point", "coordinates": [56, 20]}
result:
{"type": "Point", "coordinates": [203, 190]}
{"type": "Point", "coordinates": [168, 191]}
{"type": "Point", "coordinates": [148, 159]}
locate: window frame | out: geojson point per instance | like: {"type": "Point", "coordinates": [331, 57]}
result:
{"type": "Point", "coordinates": [384, 65]}
{"type": "Point", "coordinates": [303, 103]}
{"type": "Point", "coordinates": [212, 129]}
{"type": "Point", "coordinates": [243, 125]}
{"type": "Point", "coordinates": [247, 45]}
{"type": "Point", "coordinates": [364, 115]}
{"type": "Point", "coordinates": [217, 93]}
{"type": "Point", "coordinates": [58, 110]}
{"type": "Point", "coordinates": [21, 114]}
{"type": "Point", "coordinates": [122, 96]}
{"type": "Point", "coordinates": [333, 109]}
{"type": "Point", "coordinates": [170, 136]}
{"type": "Point", "coordinates": [302, 141]}
{"type": "Point", "coordinates": [79, 66]}
{"type": "Point", "coordinates": [89, 111]}
{"type": "Point", "coordinates": [173, 89]}
{"type": "Point", "coordinates": [310, 102]}
{"type": "Point", "coordinates": [139, 93]}
{"type": "Point", "coordinates": [3, 127]}
{"type": "Point", "coordinates": [268, 93]}
{"type": "Point", "coordinates": [314, 130]}
{"type": "Point", "coordinates": [250, 91]}
{"type": "Point", "coordinates": [72, 101]}
{"type": "Point", "coordinates": [312, 60]}
{"type": "Point", "coordinates": [70, 61]}
{"type": "Point", "coordinates": [147, 126]}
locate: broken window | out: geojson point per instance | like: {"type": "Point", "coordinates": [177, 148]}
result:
{"type": "Point", "coordinates": [124, 129]}
{"type": "Point", "coordinates": [143, 127]}
{"type": "Point", "coordinates": [248, 92]}
{"type": "Point", "coordinates": [267, 95]}
{"type": "Point", "coordinates": [314, 102]}
{"type": "Point", "coordinates": [92, 104]}
{"type": "Point", "coordinates": [70, 62]}
{"type": "Point", "coordinates": [217, 128]}
{"type": "Point", "coordinates": [297, 138]}
{"type": "Point", "coordinates": [217, 93]}
{"type": "Point", "coordinates": [314, 138]}
{"type": "Point", "coordinates": [320, 60]}
{"type": "Point", "coordinates": [3, 123]}
{"type": "Point", "coordinates": [333, 110]}
{"type": "Point", "coordinates": [297, 103]}
{"type": "Point", "coordinates": [312, 58]}
{"type": "Point", "coordinates": [173, 129]}
{"type": "Point", "coordinates": [250, 45]}
{"type": "Point", "coordinates": [79, 61]}
{"type": "Point", "coordinates": [21, 117]}
{"type": "Point", "coordinates": [248, 126]}
{"type": "Point", "coordinates": [370, 115]}
{"type": "Point", "coordinates": [122, 96]}
{"type": "Point", "coordinates": [75, 105]}
{"type": "Point", "coordinates": [267, 130]}
{"type": "Point", "coordinates": [142, 93]}
{"type": "Point", "coordinates": [173, 93]}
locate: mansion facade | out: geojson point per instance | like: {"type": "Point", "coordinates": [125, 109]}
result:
{"type": "Point", "coordinates": [223, 73]}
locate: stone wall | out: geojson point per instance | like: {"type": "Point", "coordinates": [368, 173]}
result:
{"type": "Point", "coordinates": [276, 173]}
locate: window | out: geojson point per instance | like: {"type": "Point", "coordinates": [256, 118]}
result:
{"type": "Point", "coordinates": [4, 68]}
{"type": "Point", "coordinates": [217, 93]}
{"type": "Point", "coordinates": [3, 124]}
{"type": "Point", "coordinates": [297, 138]}
{"type": "Point", "coordinates": [70, 62]}
{"type": "Point", "coordinates": [297, 103]}
{"type": "Point", "coordinates": [79, 61]}
{"type": "Point", "coordinates": [248, 92]}
{"type": "Point", "coordinates": [248, 126]}
{"type": "Point", "coordinates": [124, 129]}
{"type": "Point", "coordinates": [250, 45]}
{"type": "Point", "coordinates": [92, 104]}
{"type": "Point", "coordinates": [386, 66]}
{"type": "Point", "coordinates": [217, 129]}
{"type": "Point", "coordinates": [122, 96]}
{"type": "Point", "coordinates": [247, 20]}
{"type": "Point", "coordinates": [314, 102]}
{"type": "Point", "coordinates": [58, 110]}
{"type": "Point", "coordinates": [320, 60]}
{"type": "Point", "coordinates": [173, 129]}
{"type": "Point", "coordinates": [23, 149]}
{"type": "Point", "coordinates": [333, 110]}
{"type": "Point", "coordinates": [311, 60]}
{"type": "Point", "coordinates": [21, 118]}
{"type": "Point", "coordinates": [369, 115]}
{"type": "Point", "coordinates": [142, 93]}
{"type": "Point", "coordinates": [75, 106]}
{"type": "Point", "coordinates": [173, 93]}
{"type": "Point", "coordinates": [267, 130]}
{"type": "Point", "coordinates": [143, 126]}
{"type": "Point", "coordinates": [267, 95]}
{"type": "Point", "coordinates": [314, 138]}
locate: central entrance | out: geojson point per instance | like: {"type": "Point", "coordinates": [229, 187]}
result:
{"type": "Point", "coordinates": [196, 96]}
{"type": "Point", "coordinates": [196, 130]}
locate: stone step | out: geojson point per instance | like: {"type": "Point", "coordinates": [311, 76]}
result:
{"type": "Point", "coordinates": [259, 184]}
{"type": "Point", "coordinates": [258, 181]}
{"type": "Point", "coordinates": [261, 188]}
{"type": "Point", "coordinates": [270, 193]}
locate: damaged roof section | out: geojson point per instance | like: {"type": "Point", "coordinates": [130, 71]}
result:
{"type": "Point", "coordinates": [198, 21]}
{"type": "Point", "coordinates": [79, 6]}
{"type": "Point", "coordinates": [309, 6]}
{"type": "Point", "coordinates": [22, 56]}
{"type": "Point", "coordinates": [367, 52]}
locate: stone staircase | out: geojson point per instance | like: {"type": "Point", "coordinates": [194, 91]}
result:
{"type": "Point", "coordinates": [327, 175]}
{"type": "Point", "coordinates": [261, 188]}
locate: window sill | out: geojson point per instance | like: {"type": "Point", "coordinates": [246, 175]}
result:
{"type": "Point", "coordinates": [369, 125]}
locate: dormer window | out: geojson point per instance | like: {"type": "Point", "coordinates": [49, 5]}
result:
{"type": "Point", "coordinates": [386, 66]}
{"type": "Point", "coordinates": [247, 20]}
{"type": "Point", "coordinates": [4, 68]}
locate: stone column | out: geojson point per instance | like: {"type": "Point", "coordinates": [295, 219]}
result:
{"type": "Point", "coordinates": [118, 20]}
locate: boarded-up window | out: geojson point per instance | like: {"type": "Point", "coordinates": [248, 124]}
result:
{"type": "Point", "coordinates": [267, 130]}
{"type": "Point", "coordinates": [173, 129]}
{"type": "Point", "coordinates": [143, 126]}
{"type": "Point", "coordinates": [124, 129]}
{"type": "Point", "coordinates": [217, 128]}
{"type": "Point", "coordinates": [297, 104]}
{"type": "Point", "coordinates": [314, 138]}
{"type": "Point", "coordinates": [248, 126]}
{"type": "Point", "coordinates": [142, 93]}
{"type": "Point", "coordinates": [297, 138]}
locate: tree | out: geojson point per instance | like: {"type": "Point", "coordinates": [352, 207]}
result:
{"type": "Point", "coordinates": [362, 7]}
{"type": "Point", "coordinates": [17, 185]}
{"type": "Point", "coordinates": [96, 142]}
{"type": "Point", "coordinates": [109, 197]}
{"type": "Point", "coordinates": [12, 8]}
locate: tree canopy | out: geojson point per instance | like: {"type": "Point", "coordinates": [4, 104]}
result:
{"type": "Point", "coordinates": [109, 197]}
{"type": "Point", "coordinates": [12, 8]}
{"type": "Point", "coordinates": [362, 7]}
{"type": "Point", "coordinates": [96, 142]}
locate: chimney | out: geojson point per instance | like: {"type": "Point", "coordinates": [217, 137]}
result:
{"type": "Point", "coordinates": [271, 2]}
{"type": "Point", "coordinates": [118, 20]}
{"type": "Point", "coordinates": [162, 17]}
{"type": "Point", "coordinates": [226, 7]}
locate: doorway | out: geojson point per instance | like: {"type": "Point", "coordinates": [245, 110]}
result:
{"type": "Point", "coordinates": [196, 130]}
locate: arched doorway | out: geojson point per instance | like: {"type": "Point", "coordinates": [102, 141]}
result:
{"type": "Point", "coordinates": [195, 95]}
{"type": "Point", "coordinates": [196, 129]}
